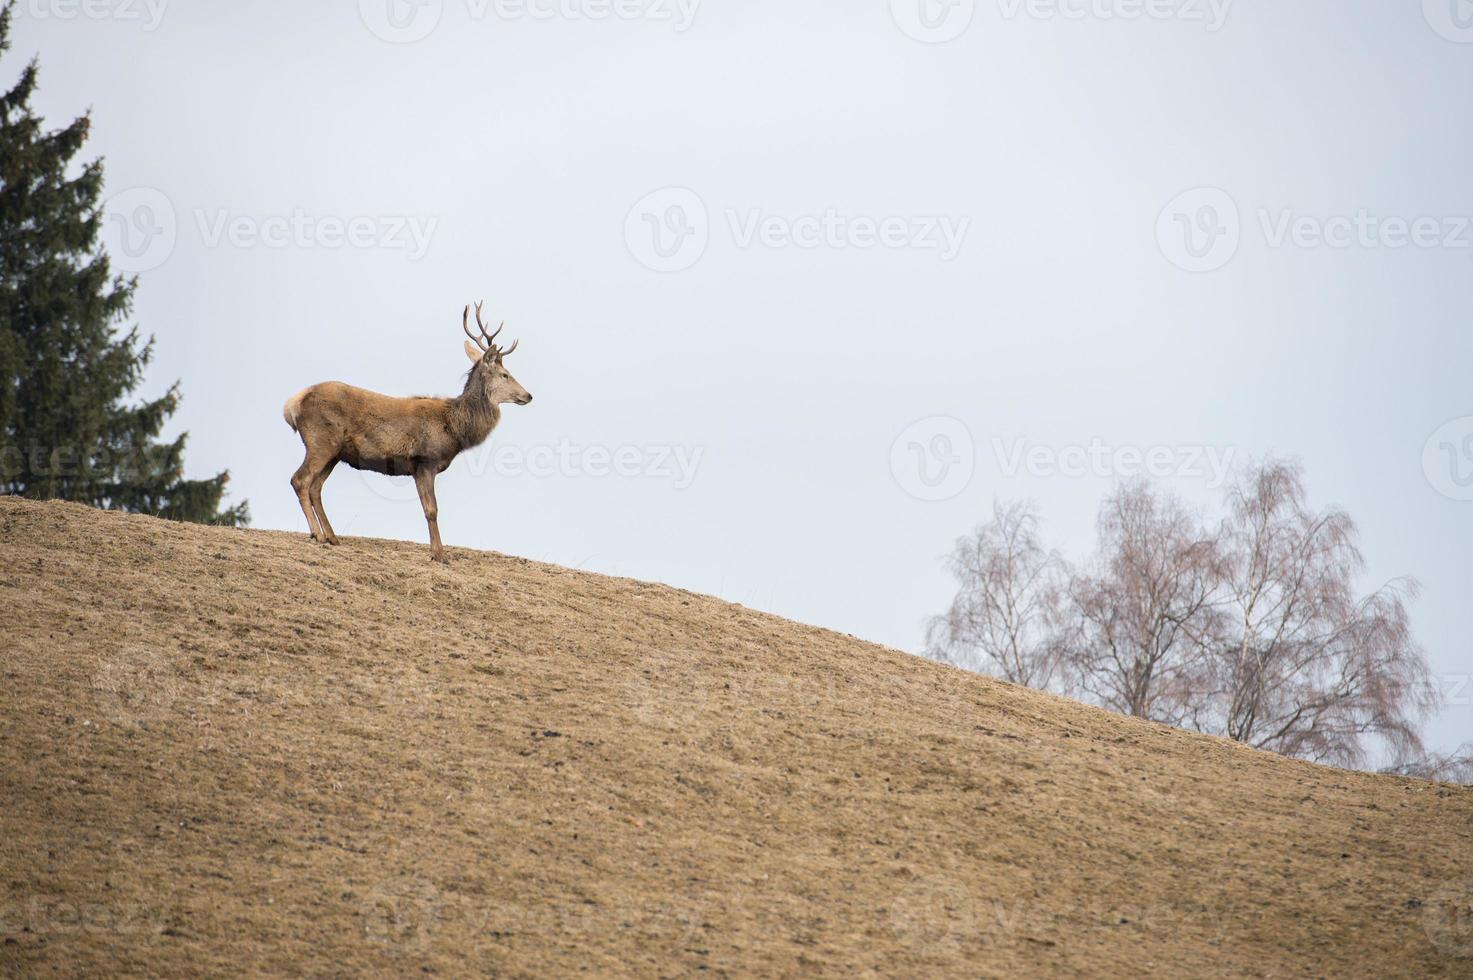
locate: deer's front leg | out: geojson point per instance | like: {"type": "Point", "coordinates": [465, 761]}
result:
{"type": "Point", "coordinates": [424, 482]}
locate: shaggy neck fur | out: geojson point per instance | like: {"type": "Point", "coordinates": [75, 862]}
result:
{"type": "Point", "coordinates": [474, 413]}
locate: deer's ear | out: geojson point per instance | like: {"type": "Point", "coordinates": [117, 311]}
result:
{"type": "Point", "coordinates": [473, 352]}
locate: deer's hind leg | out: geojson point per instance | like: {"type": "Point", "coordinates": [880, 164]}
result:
{"type": "Point", "coordinates": [314, 494]}
{"type": "Point", "coordinates": [301, 484]}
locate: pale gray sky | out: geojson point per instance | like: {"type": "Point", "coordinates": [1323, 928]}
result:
{"type": "Point", "coordinates": [893, 269]}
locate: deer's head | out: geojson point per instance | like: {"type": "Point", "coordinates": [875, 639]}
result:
{"type": "Point", "coordinates": [490, 362]}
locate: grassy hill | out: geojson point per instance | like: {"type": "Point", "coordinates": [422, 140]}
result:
{"type": "Point", "coordinates": [235, 751]}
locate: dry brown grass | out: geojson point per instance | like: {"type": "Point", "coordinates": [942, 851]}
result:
{"type": "Point", "coordinates": [238, 752]}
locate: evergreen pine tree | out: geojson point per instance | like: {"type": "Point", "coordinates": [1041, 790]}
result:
{"type": "Point", "coordinates": [65, 428]}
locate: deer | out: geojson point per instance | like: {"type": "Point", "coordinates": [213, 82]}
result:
{"type": "Point", "coordinates": [418, 437]}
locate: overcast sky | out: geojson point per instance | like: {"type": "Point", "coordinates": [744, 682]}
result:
{"type": "Point", "coordinates": [803, 287]}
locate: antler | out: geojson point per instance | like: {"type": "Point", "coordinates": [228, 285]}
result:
{"type": "Point", "coordinates": [487, 342]}
{"type": "Point", "coordinates": [490, 338]}
{"type": "Point", "coordinates": [465, 324]}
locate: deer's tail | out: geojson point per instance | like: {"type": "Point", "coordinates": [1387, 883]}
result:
{"type": "Point", "coordinates": [292, 410]}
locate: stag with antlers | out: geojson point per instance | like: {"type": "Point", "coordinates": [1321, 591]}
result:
{"type": "Point", "coordinates": [417, 437]}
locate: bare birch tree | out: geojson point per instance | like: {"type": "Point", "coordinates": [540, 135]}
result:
{"type": "Point", "coordinates": [1005, 619]}
{"type": "Point", "coordinates": [1310, 669]}
{"type": "Point", "coordinates": [1143, 618]}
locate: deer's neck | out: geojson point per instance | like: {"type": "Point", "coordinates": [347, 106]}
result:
{"type": "Point", "coordinates": [475, 415]}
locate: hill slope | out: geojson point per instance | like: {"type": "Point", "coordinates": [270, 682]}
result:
{"type": "Point", "coordinates": [227, 751]}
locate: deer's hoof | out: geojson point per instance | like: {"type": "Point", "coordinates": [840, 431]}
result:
{"type": "Point", "coordinates": [439, 559]}
{"type": "Point", "coordinates": [333, 540]}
